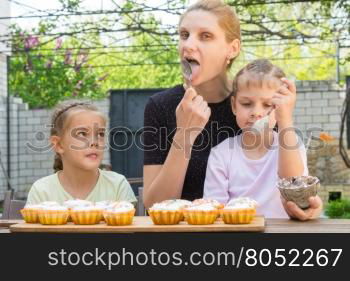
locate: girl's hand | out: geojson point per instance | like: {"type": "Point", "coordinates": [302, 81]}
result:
{"type": "Point", "coordinates": [312, 212]}
{"type": "Point", "coordinates": [284, 101]}
{"type": "Point", "coordinates": [192, 114]}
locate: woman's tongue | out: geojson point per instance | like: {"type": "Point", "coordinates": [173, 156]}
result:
{"type": "Point", "coordinates": [195, 69]}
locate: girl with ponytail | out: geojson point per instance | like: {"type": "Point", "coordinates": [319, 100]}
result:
{"type": "Point", "coordinates": [78, 138]}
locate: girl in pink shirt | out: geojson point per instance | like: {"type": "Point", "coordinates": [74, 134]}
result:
{"type": "Point", "coordinates": [251, 163]}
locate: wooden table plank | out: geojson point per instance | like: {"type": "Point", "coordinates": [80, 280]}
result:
{"type": "Point", "coordinates": [141, 224]}
{"type": "Point", "coordinates": [4, 230]}
{"type": "Point", "coordinates": [277, 225]}
{"type": "Point", "coordinates": [7, 223]}
{"type": "Point", "coordinates": [313, 226]}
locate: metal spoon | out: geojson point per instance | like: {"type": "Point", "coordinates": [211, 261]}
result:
{"type": "Point", "coordinates": [262, 123]}
{"type": "Point", "coordinates": [187, 72]}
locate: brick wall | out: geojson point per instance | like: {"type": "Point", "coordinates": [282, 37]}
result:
{"type": "Point", "coordinates": [319, 104]}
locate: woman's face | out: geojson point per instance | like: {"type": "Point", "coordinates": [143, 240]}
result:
{"type": "Point", "coordinates": [203, 43]}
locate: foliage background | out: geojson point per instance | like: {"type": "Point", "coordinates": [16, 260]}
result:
{"type": "Point", "coordinates": [74, 52]}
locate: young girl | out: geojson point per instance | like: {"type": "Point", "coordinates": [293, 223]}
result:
{"type": "Point", "coordinates": [251, 163]}
{"type": "Point", "coordinates": [78, 138]}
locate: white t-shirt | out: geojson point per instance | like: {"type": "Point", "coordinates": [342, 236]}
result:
{"type": "Point", "coordinates": [231, 174]}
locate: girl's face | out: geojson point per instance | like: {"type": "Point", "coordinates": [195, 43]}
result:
{"type": "Point", "coordinates": [203, 43]}
{"type": "Point", "coordinates": [253, 103]}
{"type": "Point", "coordinates": [83, 140]}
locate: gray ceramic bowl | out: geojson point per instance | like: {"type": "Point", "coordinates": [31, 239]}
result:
{"type": "Point", "coordinates": [299, 189]}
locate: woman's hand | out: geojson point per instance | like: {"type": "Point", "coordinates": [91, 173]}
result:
{"type": "Point", "coordinates": [313, 212]}
{"type": "Point", "coordinates": [192, 114]}
{"type": "Point", "coordinates": [284, 101]}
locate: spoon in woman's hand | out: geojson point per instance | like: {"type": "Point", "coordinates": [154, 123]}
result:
{"type": "Point", "coordinates": [262, 123]}
{"type": "Point", "coordinates": [187, 72]}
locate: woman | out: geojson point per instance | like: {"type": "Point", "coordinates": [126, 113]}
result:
{"type": "Point", "coordinates": [182, 125]}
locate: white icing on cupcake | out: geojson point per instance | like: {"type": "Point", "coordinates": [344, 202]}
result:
{"type": "Point", "coordinates": [77, 203]}
{"type": "Point", "coordinates": [120, 207]}
{"type": "Point", "coordinates": [202, 201]}
{"type": "Point", "coordinates": [201, 207]}
{"type": "Point", "coordinates": [241, 203]}
{"type": "Point", "coordinates": [54, 208]}
{"type": "Point", "coordinates": [48, 204]}
{"type": "Point", "coordinates": [86, 208]}
{"type": "Point", "coordinates": [104, 204]}
{"type": "Point", "coordinates": [171, 205]}
{"type": "Point", "coordinates": [32, 206]}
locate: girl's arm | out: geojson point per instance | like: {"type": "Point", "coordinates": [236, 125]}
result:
{"type": "Point", "coordinates": [165, 181]}
{"type": "Point", "coordinates": [291, 161]}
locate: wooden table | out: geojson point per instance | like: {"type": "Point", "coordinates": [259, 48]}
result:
{"type": "Point", "coordinates": [314, 226]}
{"type": "Point", "coordinates": [275, 226]}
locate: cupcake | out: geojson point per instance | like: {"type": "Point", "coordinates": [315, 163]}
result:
{"type": "Point", "coordinates": [299, 189]}
{"type": "Point", "coordinates": [239, 210]}
{"type": "Point", "coordinates": [204, 213]}
{"type": "Point", "coordinates": [168, 211]}
{"type": "Point", "coordinates": [86, 214]}
{"type": "Point", "coordinates": [119, 213]}
{"type": "Point", "coordinates": [30, 213]}
{"type": "Point", "coordinates": [52, 214]}
{"type": "Point", "coordinates": [72, 203]}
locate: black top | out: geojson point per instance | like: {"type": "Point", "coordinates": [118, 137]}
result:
{"type": "Point", "coordinates": [160, 127]}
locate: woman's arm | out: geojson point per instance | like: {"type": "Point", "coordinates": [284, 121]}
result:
{"type": "Point", "coordinates": [165, 181]}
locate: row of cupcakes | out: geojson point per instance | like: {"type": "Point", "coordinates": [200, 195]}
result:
{"type": "Point", "coordinates": [80, 212]}
{"type": "Point", "coordinates": [203, 211]}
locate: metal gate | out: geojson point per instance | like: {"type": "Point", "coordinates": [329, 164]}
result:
{"type": "Point", "coordinates": [126, 123]}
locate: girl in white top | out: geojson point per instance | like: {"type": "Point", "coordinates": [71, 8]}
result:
{"type": "Point", "coordinates": [251, 163]}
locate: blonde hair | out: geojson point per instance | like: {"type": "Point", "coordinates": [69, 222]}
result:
{"type": "Point", "coordinates": [256, 73]}
{"type": "Point", "coordinates": [60, 118]}
{"type": "Point", "coordinates": [227, 18]}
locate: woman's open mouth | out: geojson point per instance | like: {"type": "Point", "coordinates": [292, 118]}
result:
{"type": "Point", "coordinates": [195, 66]}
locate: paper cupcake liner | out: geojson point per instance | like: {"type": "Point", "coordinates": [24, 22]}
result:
{"type": "Point", "coordinates": [86, 217]}
{"type": "Point", "coordinates": [53, 217]}
{"type": "Point", "coordinates": [239, 216]}
{"type": "Point", "coordinates": [30, 215]}
{"type": "Point", "coordinates": [201, 217]}
{"type": "Point", "coordinates": [165, 217]}
{"type": "Point", "coordinates": [113, 218]}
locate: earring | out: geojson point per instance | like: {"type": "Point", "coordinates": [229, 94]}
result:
{"type": "Point", "coordinates": [228, 61]}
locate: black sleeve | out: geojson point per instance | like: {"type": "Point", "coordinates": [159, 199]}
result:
{"type": "Point", "coordinates": [154, 135]}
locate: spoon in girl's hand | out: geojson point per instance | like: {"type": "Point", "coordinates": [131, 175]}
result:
{"type": "Point", "coordinates": [262, 123]}
{"type": "Point", "coordinates": [187, 72]}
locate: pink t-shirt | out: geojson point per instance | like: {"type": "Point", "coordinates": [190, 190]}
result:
{"type": "Point", "coordinates": [231, 174]}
